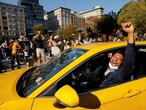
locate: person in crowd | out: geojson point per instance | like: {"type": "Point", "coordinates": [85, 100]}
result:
{"type": "Point", "coordinates": [144, 36]}
{"type": "Point", "coordinates": [118, 35]}
{"type": "Point", "coordinates": [72, 42]}
{"type": "Point", "coordinates": [16, 48]}
{"type": "Point", "coordinates": [26, 53]}
{"type": "Point", "coordinates": [67, 44]}
{"type": "Point", "coordinates": [54, 49]}
{"type": "Point", "coordinates": [5, 48]}
{"type": "Point", "coordinates": [86, 40]}
{"type": "Point", "coordinates": [40, 49]}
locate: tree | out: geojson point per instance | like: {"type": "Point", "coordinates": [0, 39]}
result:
{"type": "Point", "coordinates": [67, 32]}
{"type": "Point", "coordinates": [39, 27]}
{"type": "Point", "coordinates": [106, 23]}
{"type": "Point", "coordinates": [134, 12]}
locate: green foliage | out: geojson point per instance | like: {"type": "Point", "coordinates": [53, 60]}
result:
{"type": "Point", "coordinates": [134, 12]}
{"type": "Point", "coordinates": [39, 27]}
{"type": "Point", "coordinates": [67, 32]}
{"type": "Point", "coordinates": [106, 24]}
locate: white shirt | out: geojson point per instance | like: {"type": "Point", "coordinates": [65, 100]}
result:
{"type": "Point", "coordinates": [108, 71]}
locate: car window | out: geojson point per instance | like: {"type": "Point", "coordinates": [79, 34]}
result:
{"type": "Point", "coordinates": [35, 77]}
{"type": "Point", "coordinates": [140, 67]}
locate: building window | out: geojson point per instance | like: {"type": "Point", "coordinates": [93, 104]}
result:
{"type": "Point", "coordinates": [4, 17]}
{"type": "Point", "coordinates": [3, 8]}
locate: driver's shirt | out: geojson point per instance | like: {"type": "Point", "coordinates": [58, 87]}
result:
{"type": "Point", "coordinates": [108, 71]}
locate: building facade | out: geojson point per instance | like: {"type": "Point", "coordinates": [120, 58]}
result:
{"type": "Point", "coordinates": [34, 13]}
{"type": "Point", "coordinates": [94, 12]}
{"type": "Point", "coordinates": [91, 15]}
{"type": "Point", "coordinates": [12, 20]}
{"type": "Point", "coordinates": [77, 20]}
{"type": "Point", "coordinates": [58, 18]}
{"type": "Point", "coordinates": [63, 17]}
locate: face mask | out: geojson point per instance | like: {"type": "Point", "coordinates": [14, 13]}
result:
{"type": "Point", "coordinates": [113, 67]}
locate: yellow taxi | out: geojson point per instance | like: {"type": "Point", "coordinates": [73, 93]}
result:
{"type": "Point", "coordinates": [61, 82]}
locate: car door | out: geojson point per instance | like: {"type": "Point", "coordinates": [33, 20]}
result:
{"type": "Point", "coordinates": [126, 96]}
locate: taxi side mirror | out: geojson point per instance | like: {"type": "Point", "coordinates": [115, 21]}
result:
{"type": "Point", "coordinates": [66, 95]}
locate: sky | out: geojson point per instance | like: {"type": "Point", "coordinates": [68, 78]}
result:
{"type": "Point", "coordinates": [79, 5]}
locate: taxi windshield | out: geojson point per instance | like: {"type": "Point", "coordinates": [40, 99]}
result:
{"type": "Point", "coordinates": [36, 76]}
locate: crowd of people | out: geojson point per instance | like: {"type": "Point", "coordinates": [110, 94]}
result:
{"type": "Point", "coordinates": [14, 53]}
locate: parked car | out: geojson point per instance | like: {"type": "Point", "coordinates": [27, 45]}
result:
{"type": "Point", "coordinates": [60, 83]}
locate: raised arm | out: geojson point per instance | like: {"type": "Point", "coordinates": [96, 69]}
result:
{"type": "Point", "coordinates": [129, 29]}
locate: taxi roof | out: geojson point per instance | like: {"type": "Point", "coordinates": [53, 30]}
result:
{"type": "Point", "coordinates": [105, 45]}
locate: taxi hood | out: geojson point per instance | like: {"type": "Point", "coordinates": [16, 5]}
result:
{"type": "Point", "coordinates": [8, 82]}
